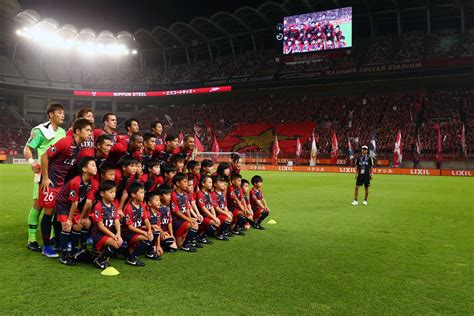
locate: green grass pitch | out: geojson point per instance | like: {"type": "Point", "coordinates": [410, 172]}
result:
{"type": "Point", "coordinates": [410, 251]}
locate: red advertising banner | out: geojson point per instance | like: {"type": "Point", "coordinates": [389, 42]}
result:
{"type": "Point", "coordinates": [88, 93]}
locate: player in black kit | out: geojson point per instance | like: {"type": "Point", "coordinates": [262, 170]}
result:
{"type": "Point", "coordinates": [364, 164]}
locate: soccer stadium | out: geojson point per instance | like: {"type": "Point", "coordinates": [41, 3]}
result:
{"type": "Point", "coordinates": [285, 157]}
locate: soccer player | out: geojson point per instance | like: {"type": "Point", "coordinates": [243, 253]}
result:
{"type": "Point", "coordinates": [110, 128]}
{"type": "Point", "coordinates": [124, 177]}
{"type": "Point", "coordinates": [86, 148]}
{"type": "Point", "coordinates": [235, 163]}
{"type": "Point", "coordinates": [220, 205]}
{"type": "Point", "coordinates": [152, 179]}
{"type": "Point", "coordinates": [187, 148]}
{"type": "Point", "coordinates": [106, 231]}
{"type": "Point", "coordinates": [165, 152]}
{"type": "Point", "coordinates": [70, 210]}
{"type": "Point", "coordinates": [103, 145]}
{"type": "Point", "coordinates": [153, 203]}
{"type": "Point", "coordinates": [178, 161]}
{"type": "Point", "coordinates": [149, 145]}
{"type": "Point", "coordinates": [223, 170]}
{"type": "Point", "coordinates": [364, 164]}
{"type": "Point", "coordinates": [133, 148]}
{"type": "Point", "coordinates": [194, 170]}
{"type": "Point", "coordinates": [204, 202]}
{"type": "Point", "coordinates": [192, 200]}
{"type": "Point", "coordinates": [185, 227]}
{"type": "Point", "coordinates": [168, 171]}
{"type": "Point", "coordinates": [137, 229]}
{"type": "Point", "coordinates": [157, 130]}
{"type": "Point", "coordinates": [107, 172]}
{"type": "Point", "coordinates": [258, 202]}
{"type": "Point", "coordinates": [131, 126]}
{"type": "Point", "coordinates": [167, 238]}
{"type": "Point", "coordinates": [55, 165]}
{"type": "Point", "coordinates": [248, 205]}
{"type": "Point", "coordinates": [235, 200]}
{"type": "Point", "coordinates": [42, 137]}
{"type": "Point", "coordinates": [139, 169]}
{"type": "Point", "coordinates": [206, 167]}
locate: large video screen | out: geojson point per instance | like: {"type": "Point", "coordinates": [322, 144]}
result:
{"type": "Point", "coordinates": [317, 31]}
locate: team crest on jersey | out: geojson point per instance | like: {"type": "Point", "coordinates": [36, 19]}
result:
{"type": "Point", "coordinates": [200, 200]}
{"type": "Point", "coordinates": [127, 218]}
{"type": "Point", "coordinates": [72, 193]}
{"type": "Point", "coordinates": [53, 149]}
{"type": "Point", "coordinates": [97, 214]}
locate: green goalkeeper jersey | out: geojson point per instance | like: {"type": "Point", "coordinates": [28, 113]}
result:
{"type": "Point", "coordinates": [40, 142]}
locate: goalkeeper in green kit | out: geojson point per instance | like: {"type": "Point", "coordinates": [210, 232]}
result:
{"type": "Point", "coordinates": [42, 137]}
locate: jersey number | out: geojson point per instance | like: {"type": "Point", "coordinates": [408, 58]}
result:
{"type": "Point", "coordinates": [48, 197]}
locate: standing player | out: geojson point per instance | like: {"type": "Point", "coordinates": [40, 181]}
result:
{"type": "Point", "coordinates": [103, 145]}
{"type": "Point", "coordinates": [364, 165]}
{"type": "Point", "coordinates": [42, 137]}
{"type": "Point", "coordinates": [149, 144]}
{"type": "Point", "coordinates": [55, 165]}
{"type": "Point", "coordinates": [86, 148]}
{"type": "Point", "coordinates": [157, 130]}
{"type": "Point", "coordinates": [187, 148]}
{"type": "Point", "coordinates": [165, 152]}
{"type": "Point", "coordinates": [131, 126]}
{"type": "Point", "coordinates": [110, 128]}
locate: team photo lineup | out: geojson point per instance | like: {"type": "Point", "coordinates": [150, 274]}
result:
{"type": "Point", "coordinates": [141, 194]}
{"type": "Point", "coordinates": [278, 157]}
{"type": "Point", "coordinates": [317, 31]}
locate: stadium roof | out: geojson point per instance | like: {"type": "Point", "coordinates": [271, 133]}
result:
{"type": "Point", "coordinates": [251, 24]}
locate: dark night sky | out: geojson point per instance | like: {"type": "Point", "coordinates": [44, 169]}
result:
{"type": "Point", "coordinates": [117, 15]}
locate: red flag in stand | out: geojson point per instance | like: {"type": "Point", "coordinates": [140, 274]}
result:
{"type": "Point", "coordinates": [276, 150]}
{"type": "Point", "coordinates": [181, 138]}
{"type": "Point", "coordinates": [463, 141]}
{"type": "Point", "coordinates": [439, 153]}
{"type": "Point", "coordinates": [334, 148]}
{"type": "Point", "coordinates": [215, 150]}
{"type": "Point", "coordinates": [397, 151]}
{"type": "Point", "coordinates": [198, 146]}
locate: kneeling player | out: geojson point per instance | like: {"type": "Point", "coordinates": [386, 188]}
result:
{"type": "Point", "coordinates": [236, 202]}
{"type": "Point", "coordinates": [153, 203]}
{"type": "Point", "coordinates": [137, 229]}
{"type": "Point", "coordinates": [248, 205]}
{"type": "Point", "coordinates": [55, 165]}
{"type": "Point", "coordinates": [258, 202]}
{"type": "Point", "coordinates": [69, 206]}
{"type": "Point", "coordinates": [220, 206]}
{"type": "Point", "coordinates": [167, 238]}
{"type": "Point", "coordinates": [204, 201]}
{"type": "Point", "coordinates": [106, 230]}
{"type": "Point", "coordinates": [185, 227]}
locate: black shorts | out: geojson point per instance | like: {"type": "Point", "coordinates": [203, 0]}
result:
{"type": "Point", "coordinates": [363, 180]}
